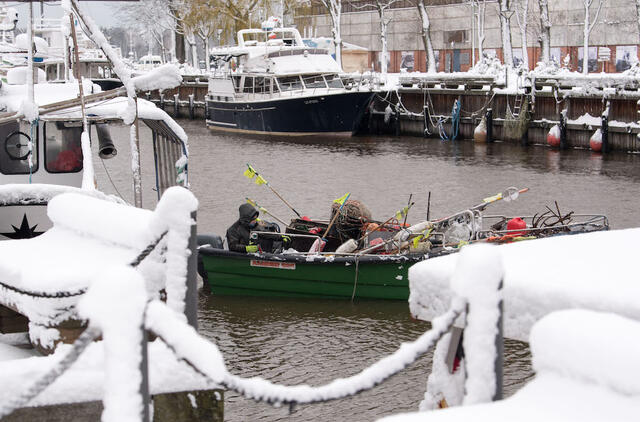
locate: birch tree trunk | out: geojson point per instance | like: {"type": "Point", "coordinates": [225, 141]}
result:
{"type": "Point", "coordinates": [588, 26]}
{"type": "Point", "coordinates": [505, 30]}
{"type": "Point", "coordinates": [206, 55]}
{"type": "Point", "coordinates": [522, 16]}
{"type": "Point", "coordinates": [426, 37]}
{"type": "Point", "coordinates": [335, 12]}
{"type": "Point", "coordinates": [383, 40]}
{"type": "Point", "coordinates": [545, 30]}
{"type": "Point", "coordinates": [482, 8]}
{"type": "Point", "coordinates": [638, 15]}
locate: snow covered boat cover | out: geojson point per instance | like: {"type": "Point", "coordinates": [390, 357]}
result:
{"type": "Point", "coordinates": [594, 271]}
{"type": "Point", "coordinates": [587, 365]}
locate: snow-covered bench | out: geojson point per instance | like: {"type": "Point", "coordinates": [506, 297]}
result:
{"type": "Point", "coordinates": [43, 278]}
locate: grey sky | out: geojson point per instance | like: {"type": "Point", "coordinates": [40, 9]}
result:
{"type": "Point", "coordinates": [101, 11]}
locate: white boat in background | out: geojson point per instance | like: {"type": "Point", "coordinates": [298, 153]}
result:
{"type": "Point", "coordinates": [272, 83]}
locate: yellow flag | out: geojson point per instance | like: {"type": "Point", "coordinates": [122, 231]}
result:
{"type": "Point", "coordinates": [250, 172]}
{"type": "Point", "coordinates": [342, 199]}
{"type": "Point", "coordinates": [260, 180]}
{"type": "Point", "coordinates": [400, 214]}
{"type": "Point", "coordinates": [492, 198]}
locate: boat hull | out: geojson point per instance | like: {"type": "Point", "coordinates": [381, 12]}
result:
{"type": "Point", "coordinates": [272, 275]}
{"type": "Point", "coordinates": [320, 114]}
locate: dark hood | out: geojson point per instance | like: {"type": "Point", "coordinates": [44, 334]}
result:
{"type": "Point", "coordinates": [247, 213]}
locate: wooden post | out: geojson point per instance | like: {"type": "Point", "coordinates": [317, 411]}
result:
{"type": "Point", "coordinates": [144, 382]}
{"type": "Point", "coordinates": [563, 129]}
{"type": "Point", "coordinates": [604, 128]}
{"type": "Point", "coordinates": [489, 116]}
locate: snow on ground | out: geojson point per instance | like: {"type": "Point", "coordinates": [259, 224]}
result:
{"type": "Point", "coordinates": [593, 271]}
{"type": "Point", "coordinates": [586, 367]}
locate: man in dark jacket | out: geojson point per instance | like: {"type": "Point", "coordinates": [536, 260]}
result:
{"type": "Point", "coordinates": [238, 234]}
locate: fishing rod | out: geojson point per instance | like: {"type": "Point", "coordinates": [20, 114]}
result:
{"type": "Point", "coordinates": [264, 210]}
{"type": "Point", "coordinates": [259, 180]}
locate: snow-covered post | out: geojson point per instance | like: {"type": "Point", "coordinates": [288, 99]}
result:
{"type": "Point", "coordinates": [426, 37]}
{"type": "Point", "coordinates": [586, 30]}
{"type": "Point", "coordinates": [120, 317]}
{"type": "Point", "coordinates": [522, 16]}
{"type": "Point", "coordinates": [545, 30]}
{"type": "Point", "coordinates": [335, 12]}
{"type": "Point", "coordinates": [88, 180]}
{"type": "Point", "coordinates": [134, 144]}
{"type": "Point", "coordinates": [505, 31]}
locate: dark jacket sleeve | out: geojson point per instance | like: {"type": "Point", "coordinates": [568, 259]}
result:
{"type": "Point", "coordinates": [235, 240]}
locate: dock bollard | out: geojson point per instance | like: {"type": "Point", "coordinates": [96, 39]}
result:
{"type": "Point", "coordinates": [563, 129]}
{"type": "Point", "coordinates": [605, 130]}
{"type": "Point", "coordinates": [161, 101]}
{"type": "Point", "coordinates": [176, 105]}
{"type": "Point", "coordinates": [489, 116]}
{"type": "Point", "coordinates": [192, 111]}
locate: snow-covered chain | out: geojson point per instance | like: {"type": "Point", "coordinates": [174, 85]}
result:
{"type": "Point", "coordinates": [206, 358]}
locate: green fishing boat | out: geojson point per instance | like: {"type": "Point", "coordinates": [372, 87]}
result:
{"type": "Point", "coordinates": [301, 275]}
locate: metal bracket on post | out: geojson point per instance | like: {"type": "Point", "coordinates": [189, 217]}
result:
{"type": "Point", "coordinates": [191, 296]}
{"type": "Point", "coordinates": [499, 362]}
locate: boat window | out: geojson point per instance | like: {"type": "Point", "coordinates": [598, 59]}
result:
{"type": "Point", "coordinates": [236, 83]}
{"type": "Point", "coordinates": [62, 147]}
{"type": "Point", "coordinates": [262, 85]}
{"type": "Point", "coordinates": [290, 83]}
{"type": "Point", "coordinates": [248, 85]}
{"type": "Point", "coordinates": [15, 153]}
{"type": "Point", "coordinates": [315, 81]}
{"type": "Point", "coordinates": [334, 81]}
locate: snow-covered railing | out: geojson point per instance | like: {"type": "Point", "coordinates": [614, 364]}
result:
{"type": "Point", "coordinates": [477, 306]}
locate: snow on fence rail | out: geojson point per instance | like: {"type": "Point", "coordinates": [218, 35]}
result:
{"type": "Point", "coordinates": [126, 398]}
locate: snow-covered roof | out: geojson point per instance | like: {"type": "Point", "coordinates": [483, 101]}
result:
{"type": "Point", "coordinates": [587, 365]}
{"type": "Point", "coordinates": [593, 271]}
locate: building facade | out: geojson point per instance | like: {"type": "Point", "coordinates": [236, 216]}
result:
{"type": "Point", "coordinates": [613, 41]}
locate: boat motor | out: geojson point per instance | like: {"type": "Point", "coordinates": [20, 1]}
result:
{"type": "Point", "coordinates": [106, 149]}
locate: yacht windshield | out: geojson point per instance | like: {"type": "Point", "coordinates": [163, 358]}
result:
{"type": "Point", "coordinates": [315, 81]}
{"type": "Point", "coordinates": [290, 83]}
{"type": "Point", "coordinates": [334, 81]}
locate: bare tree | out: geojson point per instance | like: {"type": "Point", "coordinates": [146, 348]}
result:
{"type": "Point", "coordinates": [426, 36]}
{"type": "Point", "coordinates": [151, 18]}
{"type": "Point", "coordinates": [202, 20]}
{"type": "Point", "coordinates": [482, 9]}
{"type": "Point", "coordinates": [588, 26]}
{"type": "Point", "coordinates": [522, 15]}
{"type": "Point", "coordinates": [381, 6]}
{"type": "Point", "coordinates": [505, 29]}
{"type": "Point", "coordinates": [545, 30]}
{"type": "Point", "coordinates": [335, 12]}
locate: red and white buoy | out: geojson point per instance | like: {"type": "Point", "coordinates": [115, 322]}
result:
{"type": "Point", "coordinates": [480, 132]}
{"type": "Point", "coordinates": [553, 137]}
{"type": "Point", "coordinates": [595, 142]}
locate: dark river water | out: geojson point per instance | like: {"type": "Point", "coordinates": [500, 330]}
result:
{"type": "Point", "coordinates": [315, 341]}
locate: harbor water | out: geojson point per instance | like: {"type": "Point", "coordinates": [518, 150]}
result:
{"type": "Point", "coordinates": [316, 341]}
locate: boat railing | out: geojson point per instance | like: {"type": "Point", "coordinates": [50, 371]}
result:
{"type": "Point", "coordinates": [482, 380]}
{"type": "Point", "coordinates": [543, 225]}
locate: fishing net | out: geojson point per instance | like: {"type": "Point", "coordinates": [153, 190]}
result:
{"type": "Point", "coordinates": [516, 125]}
{"type": "Point", "coordinates": [351, 218]}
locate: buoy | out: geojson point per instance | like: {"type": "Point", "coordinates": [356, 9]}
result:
{"type": "Point", "coordinates": [595, 142]}
{"type": "Point", "coordinates": [347, 247]}
{"type": "Point", "coordinates": [553, 138]}
{"type": "Point", "coordinates": [480, 132]}
{"type": "Point", "coordinates": [516, 227]}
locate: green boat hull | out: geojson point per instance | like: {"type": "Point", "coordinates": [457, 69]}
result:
{"type": "Point", "coordinates": [272, 275]}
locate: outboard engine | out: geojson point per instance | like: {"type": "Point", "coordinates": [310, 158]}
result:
{"type": "Point", "coordinates": [106, 149]}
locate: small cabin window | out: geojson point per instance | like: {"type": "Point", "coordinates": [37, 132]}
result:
{"type": "Point", "coordinates": [248, 85]}
{"type": "Point", "coordinates": [62, 147]}
{"type": "Point", "coordinates": [15, 153]}
{"type": "Point", "coordinates": [289, 83]}
{"type": "Point", "coordinates": [315, 81]}
{"type": "Point", "coordinates": [334, 81]}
